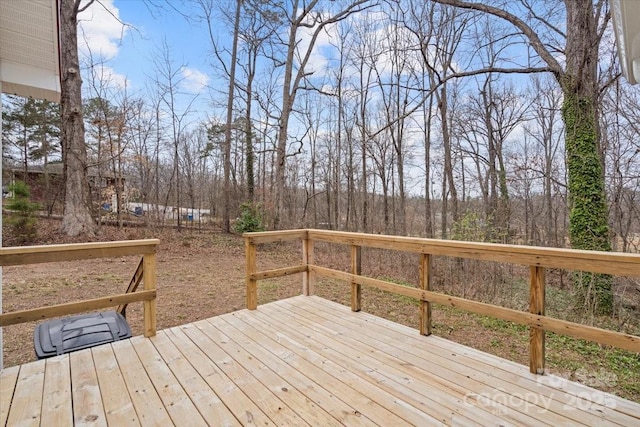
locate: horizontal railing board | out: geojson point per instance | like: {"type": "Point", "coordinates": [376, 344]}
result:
{"type": "Point", "coordinates": [275, 236]}
{"type": "Point", "coordinates": [617, 263]}
{"type": "Point", "coordinates": [22, 316]}
{"type": "Point", "coordinates": [75, 251]}
{"type": "Point", "coordinates": [603, 336]}
{"type": "Point", "coordinates": [278, 272]}
{"type": "Point", "coordinates": [537, 258]}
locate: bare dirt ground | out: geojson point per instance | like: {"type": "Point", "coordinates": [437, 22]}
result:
{"type": "Point", "coordinates": [201, 274]}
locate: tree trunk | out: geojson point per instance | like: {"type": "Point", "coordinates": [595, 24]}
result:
{"type": "Point", "coordinates": [588, 224]}
{"type": "Point", "coordinates": [588, 220]}
{"type": "Point", "coordinates": [226, 216]}
{"type": "Point", "coordinates": [427, 118]}
{"type": "Point", "coordinates": [77, 218]}
{"type": "Point", "coordinates": [448, 162]}
{"type": "Point", "coordinates": [250, 155]}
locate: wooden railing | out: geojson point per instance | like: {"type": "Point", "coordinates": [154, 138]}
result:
{"type": "Point", "coordinates": [537, 258]}
{"type": "Point", "coordinates": [146, 273]}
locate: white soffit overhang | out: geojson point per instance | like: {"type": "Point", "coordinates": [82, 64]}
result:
{"type": "Point", "coordinates": [626, 23]}
{"type": "Point", "coordinates": [29, 55]}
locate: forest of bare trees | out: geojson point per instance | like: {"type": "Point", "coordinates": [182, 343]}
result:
{"type": "Point", "coordinates": [406, 117]}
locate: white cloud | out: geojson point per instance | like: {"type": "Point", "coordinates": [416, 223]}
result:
{"type": "Point", "coordinates": [109, 78]}
{"type": "Point", "coordinates": [100, 30]}
{"type": "Point", "coordinates": [194, 81]}
{"type": "Point", "coordinates": [323, 48]}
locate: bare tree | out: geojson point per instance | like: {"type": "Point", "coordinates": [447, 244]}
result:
{"type": "Point", "coordinates": [140, 135]}
{"type": "Point", "coordinates": [302, 16]}
{"type": "Point", "coordinates": [546, 130]}
{"type": "Point", "coordinates": [167, 81]}
{"type": "Point", "coordinates": [395, 84]}
{"type": "Point", "coordinates": [439, 56]}
{"type": "Point", "coordinates": [622, 153]}
{"type": "Point", "coordinates": [258, 27]}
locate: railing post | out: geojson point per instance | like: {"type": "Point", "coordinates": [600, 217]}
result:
{"type": "Point", "coordinates": [425, 284]}
{"type": "Point", "coordinates": [308, 277]}
{"type": "Point", "coordinates": [252, 284]}
{"type": "Point", "coordinates": [536, 306]}
{"type": "Point", "coordinates": [149, 281]}
{"type": "Point", "coordinates": [356, 268]}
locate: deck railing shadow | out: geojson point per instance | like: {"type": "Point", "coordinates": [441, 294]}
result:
{"type": "Point", "coordinates": [537, 258]}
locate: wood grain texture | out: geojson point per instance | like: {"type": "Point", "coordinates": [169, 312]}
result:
{"type": "Point", "coordinates": [617, 263]}
{"type": "Point", "coordinates": [149, 282]}
{"type": "Point", "coordinates": [425, 284]}
{"type": "Point", "coordinates": [26, 404]}
{"type": "Point", "coordinates": [57, 409]}
{"type": "Point", "coordinates": [133, 285]}
{"type": "Point", "coordinates": [299, 361]}
{"type": "Point", "coordinates": [308, 257]}
{"type": "Point", "coordinates": [356, 270]}
{"type": "Point", "coordinates": [8, 379]}
{"type": "Point", "coordinates": [252, 284]}
{"type": "Point", "coordinates": [536, 307]}
{"type": "Point", "coordinates": [275, 236]}
{"type": "Point", "coordinates": [75, 251]}
{"type": "Point", "coordinates": [22, 316]}
{"type": "Point", "coordinates": [278, 272]}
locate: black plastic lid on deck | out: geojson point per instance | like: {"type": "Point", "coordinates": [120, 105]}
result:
{"type": "Point", "coordinates": [69, 334]}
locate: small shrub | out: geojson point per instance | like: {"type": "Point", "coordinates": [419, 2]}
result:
{"type": "Point", "coordinates": [22, 217]}
{"type": "Point", "coordinates": [250, 219]}
{"type": "Point", "coordinates": [471, 227]}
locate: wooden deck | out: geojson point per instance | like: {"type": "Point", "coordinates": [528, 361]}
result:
{"type": "Point", "coordinates": [300, 361]}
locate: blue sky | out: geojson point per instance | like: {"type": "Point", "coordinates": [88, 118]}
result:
{"type": "Point", "coordinates": [128, 51]}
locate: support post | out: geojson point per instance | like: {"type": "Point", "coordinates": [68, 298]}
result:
{"type": "Point", "coordinates": [308, 277]}
{"type": "Point", "coordinates": [536, 306]}
{"type": "Point", "coordinates": [356, 268]}
{"type": "Point", "coordinates": [252, 284]}
{"type": "Point", "coordinates": [149, 281]}
{"type": "Point", "coordinates": [425, 284]}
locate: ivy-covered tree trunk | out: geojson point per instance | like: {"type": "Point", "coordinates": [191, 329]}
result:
{"type": "Point", "coordinates": [588, 226]}
{"type": "Point", "coordinates": [578, 78]}
{"type": "Point", "coordinates": [588, 217]}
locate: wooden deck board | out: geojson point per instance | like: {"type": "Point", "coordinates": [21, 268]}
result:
{"type": "Point", "coordinates": [144, 397]}
{"type": "Point", "coordinates": [441, 399]}
{"type": "Point", "coordinates": [315, 385]}
{"type": "Point", "coordinates": [596, 407]}
{"type": "Point", "coordinates": [175, 400]}
{"type": "Point", "coordinates": [8, 379]}
{"type": "Point", "coordinates": [210, 406]}
{"type": "Point", "coordinates": [242, 407]}
{"type": "Point", "coordinates": [337, 380]}
{"type": "Point", "coordinates": [117, 403]}
{"type": "Point", "coordinates": [56, 396]}
{"type": "Point", "coordinates": [87, 400]}
{"type": "Point", "coordinates": [391, 393]}
{"type": "Point", "coordinates": [300, 361]}
{"type": "Point", "coordinates": [26, 406]}
{"type": "Point", "coordinates": [306, 408]}
{"type": "Point", "coordinates": [478, 380]}
{"type": "Point", "coordinates": [262, 396]}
